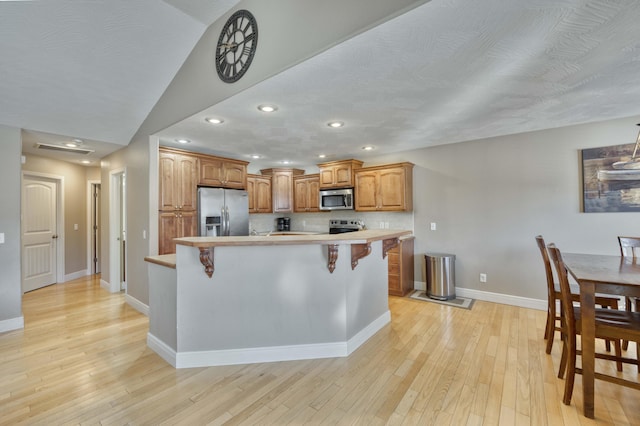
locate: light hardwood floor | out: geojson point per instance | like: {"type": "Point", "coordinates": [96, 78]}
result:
{"type": "Point", "coordinates": [82, 359]}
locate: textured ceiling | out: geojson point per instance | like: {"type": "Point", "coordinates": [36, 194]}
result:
{"type": "Point", "coordinates": [447, 71]}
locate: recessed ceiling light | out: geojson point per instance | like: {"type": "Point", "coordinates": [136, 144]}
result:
{"type": "Point", "coordinates": [322, 156]}
{"type": "Point", "coordinates": [255, 156]}
{"type": "Point", "coordinates": [183, 141]}
{"type": "Point", "coordinates": [335, 124]}
{"type": "Point", "coordinates": [212, 120]}
{"type": "Point", "coordinates": [86, 162]}
{"type": "Point", "coordinates": [267, 108]}
{"type": "Point", "coordinates": [368, 148]}
{"type": "Point", "coordinates": [286, 162]}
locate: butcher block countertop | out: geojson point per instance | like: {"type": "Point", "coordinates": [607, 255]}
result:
{"type": "Point", "coordinates": [358, 237]}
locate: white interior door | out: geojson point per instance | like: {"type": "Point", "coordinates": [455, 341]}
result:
{"type": "Point", "coordinates": [39, 233]}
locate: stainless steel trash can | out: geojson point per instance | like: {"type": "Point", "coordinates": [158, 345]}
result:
{"type": "Point", "coordinates": [440, 275]}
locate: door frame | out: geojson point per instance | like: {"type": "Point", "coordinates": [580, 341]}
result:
{"type": "Point", "coordinates": [90, 219]}
{"type": "Point", "coordinates": [115, 213]}
{"type": "Point", "coordinates": [59, 242]}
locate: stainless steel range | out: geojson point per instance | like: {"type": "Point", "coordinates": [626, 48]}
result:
{"type": "Point", "coordinates": [340, 226]}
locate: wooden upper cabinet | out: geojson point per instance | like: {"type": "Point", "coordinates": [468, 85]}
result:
{"type": "Point", "coordinates": [222, 172]}
{"type": "Point", "coordinates": [338, 174]}
{"type": "Point", "coordinates": [384, 188]}
{"type": "Point", "coordinates": [282, 188]}
{"type": "Point", "coordinates": [178, 187]}
{"type": "Point", "coordinates": [259, 189]}
{"type": "Point", "coordinates": [306, 193]}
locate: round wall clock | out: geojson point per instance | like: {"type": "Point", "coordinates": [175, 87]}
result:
{"type": "Point", "coordinates": [236, 46]}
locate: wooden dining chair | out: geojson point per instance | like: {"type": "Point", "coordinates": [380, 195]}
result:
{"type": "Point", "coordinates": [553, 295]}
{"type": "Point", "coordinates": [630, 247]}
{"type": "Point", "coordinates": [610, 324]}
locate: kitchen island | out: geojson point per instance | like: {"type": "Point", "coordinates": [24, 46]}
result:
{"type": "Point", "coordinates": [237, 300]}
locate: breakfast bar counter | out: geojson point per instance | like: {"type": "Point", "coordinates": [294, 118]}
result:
{"type": "Point", "coordinates": [237, 300]}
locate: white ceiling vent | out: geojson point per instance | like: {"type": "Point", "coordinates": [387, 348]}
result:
{"type": "Point", "coordinates": [64, 148]}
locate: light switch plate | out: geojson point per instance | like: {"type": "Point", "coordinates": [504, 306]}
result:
{"type": "Point", "coordinates": [433, 226]}
{"type": "Point", "coordinates": [1, 237]}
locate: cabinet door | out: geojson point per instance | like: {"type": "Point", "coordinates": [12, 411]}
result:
{"type": "Point", "coordinates": [167, 172]}
{"type": "Point", "coordinates": [175, 225]}
{"type": "Point", "coordinates": [177, 181]}
{"type": "Point", "coordinates": [211, 172]}
{"type": "Point", "coordinates": [392, 189]}
{"type": "Point", "coordinates": [188, 224]}
{"type": "Point", "coordinates": [235, 175]}
{"type": "Point", "coordinates": [251, 191]}
{"type": "Point", "coordinates": [259, 189]}
{"type": "Point", "coordinates": [186, 183]}
{"type": "Point", "coordinates": [301, 195]}
{"type": "Point", "coordinates": [366, 191]}
{"type": "Point", "coordinates": [401, 268]}
{"type": "Point", "coordinates": [314, 195]}
{"type": "Point", "coordinates": [167, 231]}
{"type": "Point", "coordinates": [342, 176]}
{"type": "Point", "coordinates": [326, 177]}
{"type": "Point", "coordinates": [282, 183]}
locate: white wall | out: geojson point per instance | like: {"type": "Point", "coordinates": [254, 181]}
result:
{"type": "Point", "coordinates": [490, 198]}
{"type": "Point", "coordinates": [10, 289]}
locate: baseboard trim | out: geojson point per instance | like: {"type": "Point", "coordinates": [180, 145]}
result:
{"type": "Point", "coordinates": [137, 305]}
{"type": "Point", "coordinates": [12, 324]}
{"type": "Point", "coordinates": [266, 354]}
{"type": "Point", "coordinates": [162, 349]}
{"type": "Point", "coordinates": [366, 333]}
{"type": "Point", "coordinates": [111, 288]}
{"type": "Point", "coordinates": [487, 296]}
{"type": "Point", "coordinates": [76, 275]}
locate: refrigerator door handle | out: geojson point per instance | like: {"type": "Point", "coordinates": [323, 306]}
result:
{"type": "Point", "coordinates": [228, 222]}
{"type": "Point", "coordinates": [223, 223]}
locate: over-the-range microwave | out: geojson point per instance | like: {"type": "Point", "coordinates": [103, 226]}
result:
{"type": "Point", "coordinates": [336, 199]}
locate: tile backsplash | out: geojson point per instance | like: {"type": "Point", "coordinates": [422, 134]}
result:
{"type": "Point", "coordinates": [319, 222]}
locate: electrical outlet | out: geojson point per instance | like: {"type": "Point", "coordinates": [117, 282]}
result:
{"type": "Point", "coordinates": [433, 226]}
{"type": "Point", "coordinates": [386, 225]}
{"type": "Point", "coordinates": [381, 225]}
{"type": "Point", "coordinates": [1, 237]}
{"type": "Point", "coordinates": [483, 278]}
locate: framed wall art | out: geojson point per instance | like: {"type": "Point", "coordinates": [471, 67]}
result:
{"type": "Point", "coordinates": [611, 178]}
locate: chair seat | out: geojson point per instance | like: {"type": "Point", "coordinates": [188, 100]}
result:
{"type": "Point", "coordinates": [630, 321]}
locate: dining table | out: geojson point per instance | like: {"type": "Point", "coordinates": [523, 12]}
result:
{"type": "Point", "coordinates": [596, 273]}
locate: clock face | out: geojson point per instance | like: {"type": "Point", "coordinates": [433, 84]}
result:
{"type": "Point", "coordinates": [236, 46]}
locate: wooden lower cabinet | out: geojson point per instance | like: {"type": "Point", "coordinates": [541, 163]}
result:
{"type": "Point", "coordinates": [175, 225]}
{"type": "Point", "coordinates": [401, 268]}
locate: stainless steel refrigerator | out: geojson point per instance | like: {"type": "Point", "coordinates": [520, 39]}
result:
{"type": "Point", "coordinates": [222, 212]}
